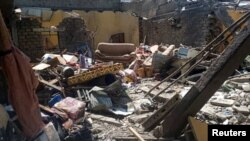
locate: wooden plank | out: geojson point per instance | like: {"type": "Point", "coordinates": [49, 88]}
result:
{"type": "Point", "coordinates": [53, 81]}
{"type": "Point", "coordinates": [91, 74]}
{"type": "Point", "coordinates": [51, 85]}
{"type": "Point", "coordinates": [199, 129]}
{"type": "Point", "coordinates": [105, 119]}
{"type": "Point", "coordinates": [138, 118]}
{"type": "Point", "coordinates": [61, 89]}
{"type": "Point", "coordinates": [152, 121]}
{"type": "Point", "coordinates": [41, 66]}
{"type": "Point", "coordinates": [136, 133]}
{"type": "Point", "coordinates": [209, 83]}
{"type": "Point", "coordinates": [54, 111]}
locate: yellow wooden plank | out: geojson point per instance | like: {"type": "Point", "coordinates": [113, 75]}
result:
{"type": "Point", "coordinates": [91, 74]}
{"type": "Point", "coordinates": [200, 129]}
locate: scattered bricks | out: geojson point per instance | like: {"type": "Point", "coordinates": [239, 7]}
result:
{"type": "Point", "coordinates": [208, 110]}
{"type": "Point", "coordinates": [223, 116]}
{"type": "Point", "coordinates": [162, 32]}
{"type": "Point", "coordinates": [30, 42]}
{"type": "Point", "coordinates": [222, 102]}
{"type": "Point", "coordinates": [241, 109]}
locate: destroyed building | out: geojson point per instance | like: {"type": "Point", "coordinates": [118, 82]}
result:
{"type": "Point", "coordinates": [86, 70]}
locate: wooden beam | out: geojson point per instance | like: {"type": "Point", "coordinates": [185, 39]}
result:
{"type": "Point", "coordinates": [51, 85]}
{"type": "Point", "coordinates": [204, 89]}
{"type": "Point", "coordinates": [199, 129]}
{"type": "Point", "coordinates": [136, 134]}
{"type": "Point", "coordinates": [106, 119]}
{"type": "Point", "coordinates": [155, 119]}
{"type": "Point", "coordinates": [94, 73]}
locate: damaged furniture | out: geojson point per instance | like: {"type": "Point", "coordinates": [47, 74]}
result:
{"type": "Point", "coordinates": [91, 74]}
{"type": "Point", "coordinates": [117, 52]}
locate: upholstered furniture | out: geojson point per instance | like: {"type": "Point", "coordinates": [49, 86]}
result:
{"type": "Point", "coordinates": [116, 52]}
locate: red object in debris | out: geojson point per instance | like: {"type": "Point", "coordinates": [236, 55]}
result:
{"type": "Point", "coordinates": [74, 108]}
{"type": "Point", "coordinates": [139, 50]}
{"type": "Point", "coordinates": [22, 84]}
{"type": "Point", "coordinates": [71, 64]}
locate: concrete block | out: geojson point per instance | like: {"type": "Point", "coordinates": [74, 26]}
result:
{"type": "Point", "coordinates": [208, 110]}
{"type": "Point", "coordinates": [241, 109]}
{"type": "Point", "coordinates": [223, 116]}
{"type": "Point", "coordinates": [222, 102]}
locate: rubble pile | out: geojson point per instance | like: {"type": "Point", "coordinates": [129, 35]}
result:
{"type": "Point", "coordinates": [111, 94]}
{"type": "Point", "coordinates": [81, 98]}
{"type": "Point", "coordinates": [123, 91]}
{"type": "Point", "coordinates": [229, 105]}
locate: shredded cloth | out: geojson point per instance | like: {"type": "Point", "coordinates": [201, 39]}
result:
{"type": "Point", "coordinates": [22, 85]}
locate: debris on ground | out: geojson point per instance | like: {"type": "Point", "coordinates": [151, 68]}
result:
{"type": "Point", "coordinates": [124, 91]}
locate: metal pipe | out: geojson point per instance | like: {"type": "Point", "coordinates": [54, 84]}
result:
{"type": "Point", "coordinates": [239, 21]}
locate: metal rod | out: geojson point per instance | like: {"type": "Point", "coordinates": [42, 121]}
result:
{"type": "Point", "coordinates": [197, 63]}
{"type": "Point", "coordinates": [239, 21]}
{"type": "Point", "coordinates": [187, 72]}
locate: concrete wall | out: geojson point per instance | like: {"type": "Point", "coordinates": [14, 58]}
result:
{"type": "Point", "coordinates": [74, 37]}
{"type": "Point", "coordinates": [104, 23]}
{"type": "Point", "coordinates": [192, 31]}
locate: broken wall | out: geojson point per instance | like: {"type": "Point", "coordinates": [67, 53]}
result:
{"type": "Point", "coordinates": [29, 41]}
{"type": "Point", "coordinates": [104, 24]}
{"type": "Point", "coordinates": [192, 31]}
{"type": "Point", "coordinates": [74, 34]}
